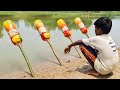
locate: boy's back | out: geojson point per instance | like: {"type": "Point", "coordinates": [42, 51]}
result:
{"type": "Point", "coordinates": [107, 56]}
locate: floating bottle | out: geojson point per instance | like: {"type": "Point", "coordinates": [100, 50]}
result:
{"type": "Point", "coordinates": [81, 25]}
{"type": "Point", "coordinates": [42, 30]}
{"type": "Point", "coordinates": [12, 32]}
{"type": "Point", "coordinates": [62, 25]}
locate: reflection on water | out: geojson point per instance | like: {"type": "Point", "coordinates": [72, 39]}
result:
{"type": "Point", "coordinates": [37, 50]}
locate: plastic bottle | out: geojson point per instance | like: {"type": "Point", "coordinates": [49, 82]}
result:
{"type": "Point", "coordinates": [62, 25]}
{"type": "Point", "coordinates": [12, 32]}
{"type": "Point", "coordinates": [81, 25]}
{"type": "Point", "coordinates": [42, 30]}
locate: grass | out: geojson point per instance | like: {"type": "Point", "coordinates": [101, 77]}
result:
{"type": "Point", "coordinates": [50, 18]}
{"type": "Point", "coordinates": [62, 14]}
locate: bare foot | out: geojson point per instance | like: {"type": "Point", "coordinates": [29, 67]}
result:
{"type": "Point", "coordinates": [92, 72]}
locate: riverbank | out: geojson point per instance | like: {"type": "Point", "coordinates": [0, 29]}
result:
{"type": "Point", "coordinates": [63, 14]}
{"type": "Point", "coordinates": [72, 69]}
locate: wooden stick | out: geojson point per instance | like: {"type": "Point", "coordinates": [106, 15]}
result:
{"type": "Point", "coordinates": [54, 53]}
{"type": "Point", "coordinates": [27, 61]}
{"type": "Point", "coordinates": [75, 48]}
{"type": "Point", "coordinates": [87, 35]}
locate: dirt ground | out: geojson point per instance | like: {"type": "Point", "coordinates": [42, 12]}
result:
{"type": "Point", "coordinates": [71, 69]}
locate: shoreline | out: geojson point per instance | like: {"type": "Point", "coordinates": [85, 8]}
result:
{"type": "Point", "coordinates": [71, 69]}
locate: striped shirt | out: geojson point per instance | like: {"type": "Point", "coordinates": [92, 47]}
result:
{"type": "Point", "coordinates": [107, 56]}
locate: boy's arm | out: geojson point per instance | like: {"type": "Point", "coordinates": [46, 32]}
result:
{"type": "Point", "coordinates": [67, 49]}
{"type": "Point", "coordinates": [75, 43]}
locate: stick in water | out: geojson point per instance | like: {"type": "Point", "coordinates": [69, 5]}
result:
{"type": "Point", "coordinates": [44, 35]}
{"type": "Point", "coordinates": [67, 33]}
{"type": "Point", "coordinates": [87, 35]}
{"type": "Point", "coordinates": [27, 61]}
{"type": "Point", "coordinates": [54, 53]}
{"type": "Point", "coordinates": [16, 40]}
{"type": "Point", "coordinates": [75, 47]}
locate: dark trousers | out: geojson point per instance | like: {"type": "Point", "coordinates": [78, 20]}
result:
{"type": "Point", "coordinates": [89, 53]}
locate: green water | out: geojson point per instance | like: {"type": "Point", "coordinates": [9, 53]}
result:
{"type": "Point", "coordinates": [36, 49]}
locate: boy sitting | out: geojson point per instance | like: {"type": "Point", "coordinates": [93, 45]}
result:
{"type": "Point", "coordinates": [100, 50]}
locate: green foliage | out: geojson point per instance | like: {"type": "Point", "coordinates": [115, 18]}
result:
{"type": "Point", "coordinates": [49, 18]}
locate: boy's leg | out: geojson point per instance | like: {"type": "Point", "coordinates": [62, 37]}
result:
{"type": "Point", "coordinates": [90, 55]}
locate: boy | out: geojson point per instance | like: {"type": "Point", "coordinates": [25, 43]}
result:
{"type": "Point", "coordinates": [100, 50]}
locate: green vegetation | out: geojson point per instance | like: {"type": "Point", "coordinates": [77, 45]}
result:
{"type": "Point", "coordinates": [62, 14]}
{"type": "Point", "coordinates": [49, 18]}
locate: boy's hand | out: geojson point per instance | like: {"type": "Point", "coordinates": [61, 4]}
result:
{"type": "Point", "coordinates": [67, 50]}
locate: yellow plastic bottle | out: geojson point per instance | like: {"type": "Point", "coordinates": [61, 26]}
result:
{"type": "Point", "coordinates": [41, 29]}
{"type": "Point", "coordinates": [12, 32]}
{"type": "Point", "coordinates": [81, 25]}
{"type": "Point", "coordinates": [62, 25]}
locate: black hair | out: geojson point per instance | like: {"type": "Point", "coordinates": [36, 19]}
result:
{"type": "Point", "coordinates": [104, 23]}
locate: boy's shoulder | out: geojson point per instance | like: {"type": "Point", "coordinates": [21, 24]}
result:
{"type": "Point", "coordinates": [95, 37]}
{"type": "Point", "coordinates": [101, 37]}
{"type": "Point", "coordinates": [104, 36]}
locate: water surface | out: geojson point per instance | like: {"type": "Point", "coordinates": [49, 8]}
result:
{"type": "Point", "coordinates": [38, 51]}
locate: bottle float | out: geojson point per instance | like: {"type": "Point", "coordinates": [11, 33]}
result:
{"type": "Point", "coordinates": [44, 35]}
{"type": "Point", "coordinates": [42, 30]}
{"type": "Point", "coordinates": [67, 33]}
{"type": "Point", "coordinates": [81, 26]}
{"type": "Point", "coordinates": [12, 32]}
{"type": "Point", "coordinates": [16, 40]}
{"type": "Point", "coordinates": [62, 25]}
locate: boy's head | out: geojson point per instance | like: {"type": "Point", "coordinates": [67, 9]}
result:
{"type": "Point", "coordinates": [103, 25]}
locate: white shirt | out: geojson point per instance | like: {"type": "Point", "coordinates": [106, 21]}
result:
{"type": "Point", "coordinates": [107, 57]}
